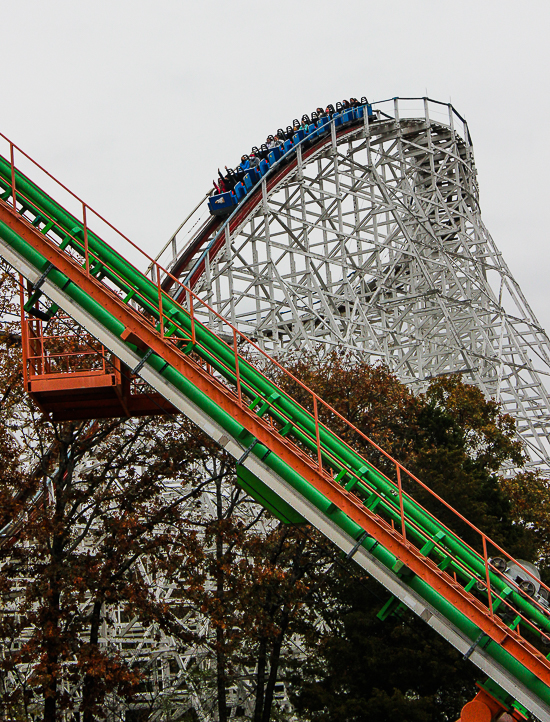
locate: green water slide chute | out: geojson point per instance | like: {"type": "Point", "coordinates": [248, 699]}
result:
{"type": "Point", "coordinates": [353, 470]}
{"type": "Point", "coordinates": [221, 357]}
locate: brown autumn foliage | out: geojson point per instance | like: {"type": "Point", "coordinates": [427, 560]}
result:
{"type": "Point", "coordinates": [454, 440]}
{"type": "Point", "coordinates": [82, 503]}
{"type": "Point", "coordinates": [73, 557]}
{"type": "Point", "coordinates": [251, 584]}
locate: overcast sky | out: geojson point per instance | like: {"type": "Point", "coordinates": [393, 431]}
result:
{"type": "Point", "coordinates": [135, 104]}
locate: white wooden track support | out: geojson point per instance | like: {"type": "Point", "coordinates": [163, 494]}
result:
{"type": "Point", "coordinates": [375, 243]}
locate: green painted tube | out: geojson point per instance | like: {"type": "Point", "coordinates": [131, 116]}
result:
{"type": "Point", "coordinates": [217, 352]}
{"type": "Point", "coordinates": [69, 224]}
{"type": "Point", "coordinates": [265, 496]}
{"type": "Point", "coordinates": [71, 289]}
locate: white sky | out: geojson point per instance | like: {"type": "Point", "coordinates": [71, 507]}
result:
{"type": "Point", "coordinates": [135, 104]}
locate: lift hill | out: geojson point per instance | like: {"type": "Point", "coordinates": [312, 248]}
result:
{"type": "Point", "coordinates": [156, 357]}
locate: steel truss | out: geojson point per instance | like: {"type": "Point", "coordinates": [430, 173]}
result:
{"type": "Point", "coordinates": [374, 243]}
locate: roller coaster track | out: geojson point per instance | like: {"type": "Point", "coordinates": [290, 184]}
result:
{"type": "Point", "coordinates": [286, 457]}
{"type": "Point", "coordinates": [191, 263]}
{"type": "Point", "coordinates": [370, 238]}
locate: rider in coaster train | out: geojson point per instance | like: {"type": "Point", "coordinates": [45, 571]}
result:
{"type": "Point", "coordinates": [254, 161]}
{"type": "Point", "coordinates": [263, 152]}
{"type": "Point", "coordinates": [228, 182]}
